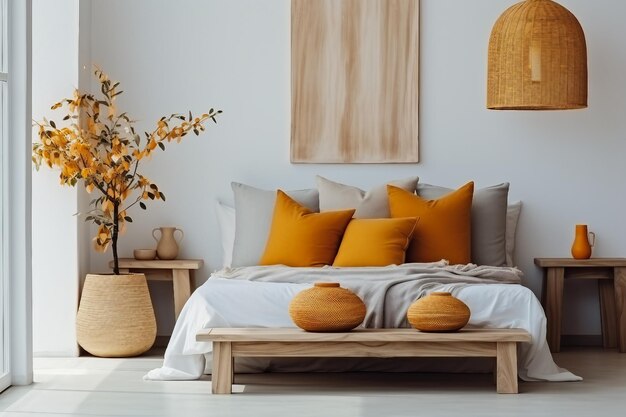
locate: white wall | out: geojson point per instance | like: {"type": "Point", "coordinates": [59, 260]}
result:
{"type": "Point", "coordinates": [567, 167]}
{"type": "Point", "coordinates": [55, 241]}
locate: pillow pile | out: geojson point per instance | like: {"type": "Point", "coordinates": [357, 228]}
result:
{"type": "Point", "coordinates": [390, 221]}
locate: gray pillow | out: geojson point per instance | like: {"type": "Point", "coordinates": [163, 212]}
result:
{"type": "Point", "coordinates": [254, 209]}
{"type": "Point", "coordinates": [512, 216]}
{"type": "Point", "coordinates": [489, 207]}
{"type": "Point", "coordinates": [372, 204]}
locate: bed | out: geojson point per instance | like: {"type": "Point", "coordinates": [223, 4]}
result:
{"type": "Point", "coordinates": [245, 295]}
{"type": "Point", "coordinates": [259, 297]}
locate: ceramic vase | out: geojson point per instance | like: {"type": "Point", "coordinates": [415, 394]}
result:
{"type": "Point", "coordinates": [115, 318]}
{"type": "Point", "coordinates": [326, 307]}
{"type": "Point", "coordinates": [581, 248]}
{"type": "Point", "coordinates": [438, 312]}
{"type": "Point", "coordinates": [167, 246]}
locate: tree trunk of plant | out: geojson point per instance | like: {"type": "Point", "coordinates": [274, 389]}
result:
{"type": "Point", "coordinates": [116, 261]}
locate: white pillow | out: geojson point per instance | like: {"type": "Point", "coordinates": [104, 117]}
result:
{"type": "Point", "coordinates": [512, 216]}
{"type": "Point", "coordinates": [226, 223]}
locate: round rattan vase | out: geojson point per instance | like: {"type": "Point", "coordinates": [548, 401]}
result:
{"type": "Point", "coordinates": [115, 318]}
{"type": "Point", "coordinates": [327, 308]}
{"type": "Point", "coordinates": [438, 312]}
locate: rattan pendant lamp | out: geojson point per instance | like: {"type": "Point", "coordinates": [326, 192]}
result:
{"type": "Point", "coordinates": [537, 59]}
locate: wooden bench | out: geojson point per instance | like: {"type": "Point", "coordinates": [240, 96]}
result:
{"type": "Point", "coordinates": [230, 343]}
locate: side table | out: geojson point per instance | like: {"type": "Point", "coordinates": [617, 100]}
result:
{"type": "Point", "coordinates": [611, 276]}
{"type": "Point", "coordinates": [180, 276]}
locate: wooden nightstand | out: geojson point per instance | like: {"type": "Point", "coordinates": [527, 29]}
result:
{"type": "Point", "coordinates": [180, 276]}
{"type": "Point", "coordinates": [611, 276]}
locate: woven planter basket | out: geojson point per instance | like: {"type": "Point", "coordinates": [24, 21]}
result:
{"type": "Point", "coordinates": [115, 317]}
{"type": "Point", "coordinates": [537, 59]}
{"type": "Point", "coordinates": [438, 312]}
{"type": "Point", "coordinates": [327, 308]}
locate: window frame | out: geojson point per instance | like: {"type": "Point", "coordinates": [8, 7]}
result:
{"type": "Point", "coordinates": [5, 367]}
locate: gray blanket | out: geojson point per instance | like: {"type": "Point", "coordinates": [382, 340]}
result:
{"type": "Point", "coordinates": [387, 291]}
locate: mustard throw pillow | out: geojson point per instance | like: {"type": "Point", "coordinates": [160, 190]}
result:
{"type": "Point", "coordinates": [375, 242]}
{"type": "Point", "coordinates": [300, 237]}
{"type": "Point", "coordinates": [444, 228]}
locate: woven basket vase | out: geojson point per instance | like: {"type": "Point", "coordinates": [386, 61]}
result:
{"type": "Point", "coordinates": [115, 318]}
{"type": "Point", "coordinates": [327, 308]}
{"type": "Point", "coordinates": [438, 312]}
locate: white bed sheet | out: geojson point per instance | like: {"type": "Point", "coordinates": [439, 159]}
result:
{"type": "Point", "coordinates": [236, 303]}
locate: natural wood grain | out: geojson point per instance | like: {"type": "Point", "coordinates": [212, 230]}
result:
{"type": "Point", "coordinates": [360, 335]}
{"type": "Point", "coordinates": [554, 307]}
{"type": "Point", "coordinates": [354, 77]}
{"type": "Point", "coordinates": [608, 314]}
{"type": "Point", "coordinates": [386, 343]}
{"type": "Point", "coordinates": [222, 374]}
{"type": "Point", "coordinates": [364, 349]}
{"type": "Point", "coordinates": [180, 275]}
{"type": "Point", "coordinates": [130, 263]}
{"type": "Point", "coordinates": [573, 263]}
{"type": "Point", "coordinates": [506, 360]}
{"type": "Point", "coordinates": [597, 273]}
{"type": "Point", "coordinates": [182, 289]}
{"type": "Point", "coordinates": [612, 295]}
{"type": "Point", "coordinates": [620, 307]}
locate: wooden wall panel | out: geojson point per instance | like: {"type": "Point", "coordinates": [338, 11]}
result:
{"type": "Point", "coordinates": [354, 79]}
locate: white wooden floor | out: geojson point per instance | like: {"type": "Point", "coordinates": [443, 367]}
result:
{"type": "Point", "coordinates": [114, 387]}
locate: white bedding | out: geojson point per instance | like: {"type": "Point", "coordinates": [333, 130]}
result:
{"type": "Point", "coordinates": [238, 303]}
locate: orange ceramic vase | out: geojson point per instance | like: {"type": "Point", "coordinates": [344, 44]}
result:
{"type": "Point", "coordinates": [581, 248]}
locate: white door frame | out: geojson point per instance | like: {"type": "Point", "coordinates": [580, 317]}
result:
{"type": "Point", "coordinates": [17, 191]}
{"type": "Point", "coordinates": [5, 374]}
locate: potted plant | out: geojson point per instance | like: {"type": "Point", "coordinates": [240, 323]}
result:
{"type": "Point", "coordinates": [100, 149]}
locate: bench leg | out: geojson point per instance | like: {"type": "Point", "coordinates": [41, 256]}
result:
{"type": "Point", "coordinates": [554, 306]}
{"type": "Point", "coordinates": [222, 377]}
{"type": "Point", "coordinates": [507, 368]}
{"type": "Point", "coordinates": [619, 280]}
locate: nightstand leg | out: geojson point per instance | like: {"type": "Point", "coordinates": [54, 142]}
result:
{"type": "Point", "coordinates": [554, 305]}
{"type": "Point", "coordinates": [182, 289]}
{"type": "Point", "coordinates": [619, 280]}
{"type": "Point", "coordinates": [608, 315]}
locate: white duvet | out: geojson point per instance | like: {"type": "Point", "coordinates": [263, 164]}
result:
{"type": "Point", "coordinates": [238, 303]}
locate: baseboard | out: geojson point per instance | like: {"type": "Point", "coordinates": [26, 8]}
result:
{"type": "Point", "coordinates": [57, 354]}
{"type": "Point", "coordinates": [581, 340]}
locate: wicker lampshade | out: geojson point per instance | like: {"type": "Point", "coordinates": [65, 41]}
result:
{"type": "Point", "coordinates": [537, 59]}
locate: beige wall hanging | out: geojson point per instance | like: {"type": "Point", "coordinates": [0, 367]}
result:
{"type": "Point", "coordinates": [354, 81]}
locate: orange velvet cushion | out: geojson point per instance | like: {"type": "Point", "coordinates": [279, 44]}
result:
{"type": "Point", "coordinates": [300, 237]}
{"type": "Point", "coordinates": [375, 242]}
{"type": "Point", "coordinates": [444, 228]}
